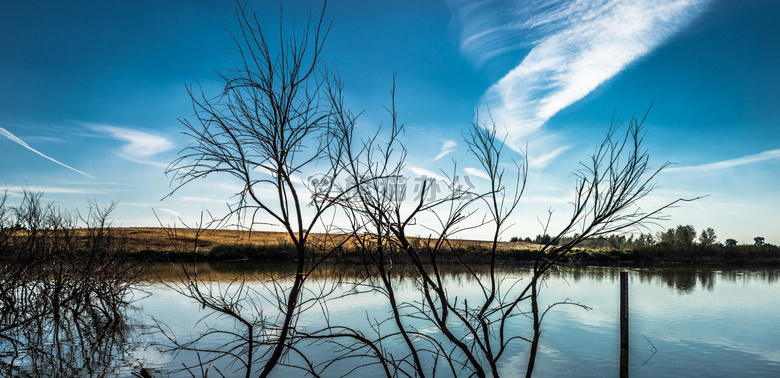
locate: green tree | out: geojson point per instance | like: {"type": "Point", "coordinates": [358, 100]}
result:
{"type": "Point", "coordinates": [644, 240]}
{"type": "Point", "coordinates": [542, 239]}
{"type": "Point", "coordinates": [684, 236]}
{"type": "Point", "coordinates": [667, 238]}
{"type": "Point", "coordinates": [707, 237]}
{"type": "Point", "coordinates": [617, 241]}
{"type": "Point", "coordinates": [759, 240]}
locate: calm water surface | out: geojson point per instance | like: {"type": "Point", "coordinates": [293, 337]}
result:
{"type": "Point", "coordinates": [683, 322]}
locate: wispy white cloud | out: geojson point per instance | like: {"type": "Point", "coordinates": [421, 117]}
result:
{"type": "Point", "coordinates": [447, 146]}
{"type": "Point", "coordinates": [13, 138]}
{"type": "Point", "coordinates": [140, 147]}
{"type": "Point", "coordinates": [476, 172]}
{"type": "Point", "coordinates": [546, 200]}
{"type": "Point", "coordinates": [750, 159]}
{"type": "Point", "coordinates": [203, 200]}
{"type": "Point", "coordinates": [55, 190]}
{"type": "Point", "coordinates": [45, 139]}
{"type": "Point", "coordinates": [573, 47]}
{"type": "Point", "coordinates": [540, 162]}
{"type": "Point", "coordinates": [420, 172]}
{"type": "Point", "coordinates": [172, 212]}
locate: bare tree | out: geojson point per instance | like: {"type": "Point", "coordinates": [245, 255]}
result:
{"type": "Point", "coordinates": [260, 130]}
{"type": "Point", "coordinates": [606, 200]}
{"type": "Point", "coordinates": [268, 127]}
{"type": "Point", "coordinates": [474, 336]}
{"type": "Point", "coordinates": [63, 291]}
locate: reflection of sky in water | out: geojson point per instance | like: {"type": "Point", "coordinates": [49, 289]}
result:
{"type": "Point", "coordinates": [705, 323]}
{"type": "Point", "coordinates": [702, 322]}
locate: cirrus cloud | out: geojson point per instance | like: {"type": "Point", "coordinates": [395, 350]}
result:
{"type": "Point", "coordinates": [20, 142]}
{"type": "Point", "coordinates": [750, 159]}
{"type": "Point", "coordinates": [572, 48]}
{"type": "Point", "coordinates": [140, 145]}
{"type": "Point", "coordinates": [447, 146]}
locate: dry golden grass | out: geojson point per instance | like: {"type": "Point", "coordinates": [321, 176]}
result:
{"type": "Point", "coordinates": [158, 239]}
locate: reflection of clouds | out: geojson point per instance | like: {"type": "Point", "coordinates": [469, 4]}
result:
{"type": "Point", "coordinates": [685, 335]}
{"type": "Point", "coordinates": [723, 356]}
{"type": "Point", "coordinates": [145, 357]}
{"type": "Point", "coordinates": [547, 360]}
{"type": "Point", "coordinates": [601, 318]}
{"type": "Point", "coordinates": [731, 345]}
{"type": "Point", "coordinates": [373, 303]}
{"type": "Point", "coordinates": [430, 331]}
{"type": "Point", "coordinates": [728, 345]}
{"type": "Point", "coordinates": [511, 365]}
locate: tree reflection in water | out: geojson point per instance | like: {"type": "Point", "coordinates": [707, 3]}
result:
{"type": "Point", "coordinates": [683, 279]}
{"type": "Point", "coordinates": [64, 291]}
{"type": "Point", "coordinates": [73, 345]}
{"type": "Point", "coordinates": [667, 312]}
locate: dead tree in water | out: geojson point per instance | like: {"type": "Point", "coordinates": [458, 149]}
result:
{"type": "Point", "coordinates": [280, 114]}
{"type": "Point", "coordinates": [268, 126]}
{"type": "Point", "coordinates": [474, 334]}
{"type": "Point", "coordinates": [64, 289]}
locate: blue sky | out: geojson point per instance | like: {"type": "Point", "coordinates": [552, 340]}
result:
{"type": "Point", "coordinates": [91, 93]}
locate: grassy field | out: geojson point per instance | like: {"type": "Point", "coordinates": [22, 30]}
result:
{"type": "Point", "coordinates": [159, 239]}
{"type": "Point", "coordinates": [163, 240]}
{"type": "Point", "coordinates": [229, 245]}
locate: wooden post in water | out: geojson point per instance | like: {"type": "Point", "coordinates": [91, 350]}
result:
{"type": "Point", "coordinates": [624, 324]}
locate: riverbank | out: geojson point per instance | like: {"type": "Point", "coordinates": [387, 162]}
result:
{"type": "Point", "coordinates": [163, 244]}
{"type": "Point", "coordinates": [160, 244]}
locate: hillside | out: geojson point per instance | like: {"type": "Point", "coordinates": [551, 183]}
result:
{"type": "Point", "coordinates": [159, 239]}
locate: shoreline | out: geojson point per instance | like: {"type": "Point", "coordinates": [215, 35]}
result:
{"type": "Point", "coordinates": [164, 244]}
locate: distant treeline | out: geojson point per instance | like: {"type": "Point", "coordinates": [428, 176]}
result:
{"type": "Point", "coordinates": [680, 244]}
{"type": "Point", "coordinates": [475, 253]}
{"type": "Point", "coordinates": [681, 237]}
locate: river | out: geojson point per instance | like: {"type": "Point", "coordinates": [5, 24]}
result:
{"type": "Point", "coordinates": [684, 321]}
